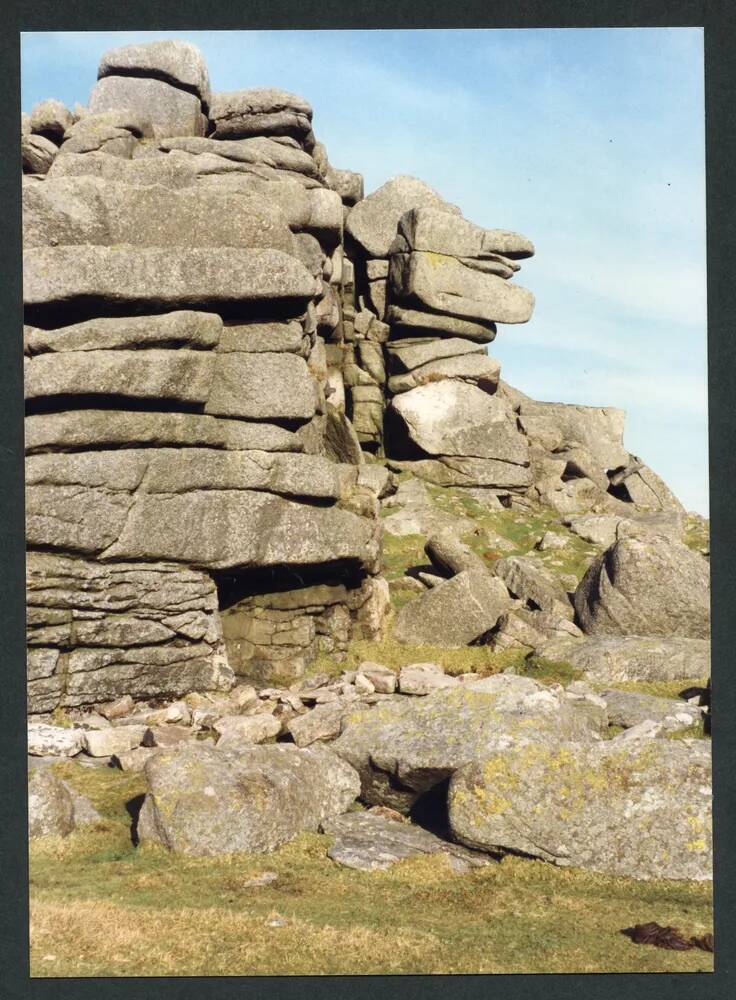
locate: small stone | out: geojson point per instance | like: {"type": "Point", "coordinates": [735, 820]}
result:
{"type": "Point", "coordinates": [363, 685]}
{"type": "Point", "coordinates": [133, 760]}
{"type": "Point", "coordinates": [113, 741]}
{"type": "Point", "coordinates": [382, 679]}
{"type": "Point", "coordinates": [246, 729]}
{"type": "Point", "coordinates": [423, 678]}
{"type": "Point", "coordinates": [53, 741]}
{"type": "Point", "coordinates": [117, 709]}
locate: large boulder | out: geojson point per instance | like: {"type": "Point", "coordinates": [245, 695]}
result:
{"type": "Point", "coordinates": [260, 111]}
{"type": "Point", "coordinates": [95, 279]}
{"type": "Point", "coordinates": [180, 64]}
{"type": "Point", "coordinates": [652, 586]}
{"type": "Point", "coordinates": [443, 284]}
{"type": "Point", "coordinates": [37, 154]}
{"type": "Point", "coordinates": [561, 426]}
{"type": "Point", "coordinates": [51, 119]}
{"type": "Point", "coordinates": [404, 747]}
{"type": "Point", "coordinates": [373, 222]}
{"type": "Point", "coordinates": [50, 805]}
{"type": "Point", "coordinates": [90, 210]}
{"type": "Point", "coordinates": [203, 801]}
{"type": "Point", "coordinates": [641, 811]}
{"type": "Point", "coordinates": [613, 659]}
{"type": "Point", "coordinates": [531, 581]}
{"type": "Point", "coordinates": [455, 612]}
{"type": "Point", "coordinates": [166, 171]}
{"type": "Point", "coordinates": [454, 418]}
{"type": "Point", "coordinates": [171, 110]}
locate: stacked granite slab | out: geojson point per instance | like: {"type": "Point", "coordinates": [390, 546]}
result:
{"type": "Point", "coordinates": [181, 453]}
{"type": "Point", "coordinates": [433, 286]}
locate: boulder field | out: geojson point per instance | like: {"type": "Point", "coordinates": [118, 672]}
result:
{"type": "Point", "coordinates": [264, 437]}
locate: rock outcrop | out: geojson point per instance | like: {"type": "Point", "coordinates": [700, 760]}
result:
{"type": "Point", "coordinates": [251, 390]}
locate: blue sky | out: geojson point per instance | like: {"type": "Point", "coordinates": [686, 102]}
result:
{"type": "Point", "coordinates": [589, 141]}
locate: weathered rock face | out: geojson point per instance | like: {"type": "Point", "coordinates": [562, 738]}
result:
{"type": "Point", "coordinates": [171, 110]}
{"type": "Point", "coordinates": [405, 747]}
{"type": "Point", "coordinates": [98, 631]}
{"type": "Point", "coordinates": [643, 810]}
{"type": "Point", "coordinates": [120, 279]}
{"type": "Point", "coordinates": [649, 586]}
{"type": "Point", "coordinates": [220, 327]}
{"type": "Point", "coordinates": [204, 801]}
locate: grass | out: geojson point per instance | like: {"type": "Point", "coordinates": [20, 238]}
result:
{"type": "Point", "coordinates": [548, 671]}
{"type": "Point", "coordinates": [514, 532]}
{"type": "Point", "coordinates": [697, 533]}
{"type": "Point", "coordinates": [100, 907]}
{"type": "Point", "coordinates": [394, 654]}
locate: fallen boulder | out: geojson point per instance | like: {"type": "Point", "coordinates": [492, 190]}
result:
{"type": "Point", "coordinates": [203, 801]}
{"type": "Point", "coordinates": [642, 810]}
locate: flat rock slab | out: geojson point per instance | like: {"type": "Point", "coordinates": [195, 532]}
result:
{"type": "Point", "coordinates": [160, 279]}
{"type": "Point", "coordinates": [368, 842]}
{"type": "Point", "coordinates": [171, 471]}
{"type": "Point", "coordinates": [479, 370]}
{"type": "Point", "coordinates": [202, 801]}
{"type": "Point", "coordinates": [641, 811]}
{"type": "Point", "coordinates": [404, 746]}
{"type": "Point", "coordinates": [268, 386]}
{"type": "Point", "coordinates": [373, 222]}
{"type": "Point", "coordinates": [92, 210]}
{"type": "Point", "coordinates": [436, 231]}
{"type": "Point", "coordinates": [613, 659]}
{"type": "Point", "coordinates": [260, 111]}
{"type": "Point", "coordinates": [455, 612]}
{"type": "Point", "coordinates": [444, 284]}
{"type": "Point", "coordinates": [180, 328]}
{"type": "Point", "coordinates": [90, 429]}
{"type": "Point", "coordinates": [455, 471]}
{"type": "Point", "coordinates": [629, 708]}
{"type": "Point", "coordinates": [418, 322]}
{"type": "Point", "coordinates": [650, 586]}
{"type": "Point", "coordinates": [405, 357]}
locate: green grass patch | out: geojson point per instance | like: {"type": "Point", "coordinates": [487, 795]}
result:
{"type": "Point", "coordinates": [548, 671]}
{"type": "Point", "coordinates": [394, 654]}
{"type": "Point", "coordinates": [696, 534]}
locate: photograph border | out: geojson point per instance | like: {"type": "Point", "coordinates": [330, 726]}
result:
{"type": "Point", "coordinates": [719, 21]}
